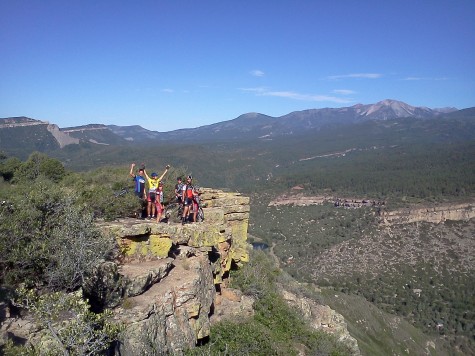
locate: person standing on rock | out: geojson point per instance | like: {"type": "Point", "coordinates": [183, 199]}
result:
{"type": "Point", "coordinates": [139, 180]}
{"type": "Point", "coordinates": [139, 188]}
{"type": "Point", "coordinates": [179, 191]}
{"type": "Point", "coordinates": [196, 202]}
{"type": "Point", "coordinates": [159, 202]}
{"type": "Point", "coordinates": [187, 198]}
{"type": "Point", "coordinates": [153, 183]}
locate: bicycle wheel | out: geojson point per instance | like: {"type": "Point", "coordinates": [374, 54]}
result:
{"type": "Point", "coordinates": [200, 216]}
{"type": "Point", "coordinates": [172, 212]}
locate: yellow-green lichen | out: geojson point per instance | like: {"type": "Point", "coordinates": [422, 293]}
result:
{"type": "Point", "coordinates": [160, 246]}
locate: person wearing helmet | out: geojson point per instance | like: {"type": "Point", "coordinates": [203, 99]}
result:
{"type": "Point", "coordinates": [179, 190]}
{"type": "Point", "coordinates": [139, 180]}
{"type": "Point", "coordinates": [139, 189]}
{"type": "Point", "coordinates": [153, 183]}
{"type": "Point", "coordinates": [187, 198]}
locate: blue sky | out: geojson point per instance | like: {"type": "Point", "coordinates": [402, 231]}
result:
{"type": "Point", "coordinates": [176, 64]}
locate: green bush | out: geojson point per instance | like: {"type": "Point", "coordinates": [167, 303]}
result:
{"type": "Point", "coordinates": [8, 168]}
{"type": "Point", "coordinates": [47, 237]}
{"type": "Point", "coordinates": [39, 164]}
{"type": "Point", "coordinates": [67, 323]}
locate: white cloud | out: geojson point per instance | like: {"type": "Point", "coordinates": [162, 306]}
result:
{"type": "Point", "coordinates": [356, 75]}
{"type": "Point", "coordinates": [167, 90]}
{"type": "Point", "coordinates": [257, 73]}
{"type": "Point", "coordinates": [423, 78]}
{"type": "Point", "coordinates": [343, 91]}
{"type": "Point", "coordinates": [255, 90]}
{"type": "Point", "coordinates": [260, 91]}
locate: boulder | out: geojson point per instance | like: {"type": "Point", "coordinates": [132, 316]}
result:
{"type": "Point", "coordinates": [173, 314]}
{"type": "Point", "coordinates": [110, 283]}
{"type": "Point", "coordinates": [232, 304]}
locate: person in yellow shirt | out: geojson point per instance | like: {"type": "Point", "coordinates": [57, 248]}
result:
{"type": "Point", "coordinates": [153, 183]}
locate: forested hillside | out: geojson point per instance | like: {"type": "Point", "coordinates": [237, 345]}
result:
{"type": "Point", "coordinates": [420, 271]}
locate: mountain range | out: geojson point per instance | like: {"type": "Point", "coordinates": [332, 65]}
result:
{"type": "Point", "coordinates": [44, 136]}
{"type": "Point", "coordinates": [255, 125]}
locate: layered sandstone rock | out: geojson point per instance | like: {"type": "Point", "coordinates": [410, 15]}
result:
{"type": "Point", "coordinates": [223, 233]}
{"type": "Point", "coordinates": [434, 214]}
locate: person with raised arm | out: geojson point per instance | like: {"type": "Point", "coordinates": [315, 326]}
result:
{"type": "Point", "coordinates": [153, 183]}
{"type": "Point", "coordinates": [139, 186]}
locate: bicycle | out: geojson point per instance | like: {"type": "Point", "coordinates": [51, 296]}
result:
{"type": "Point", "coordinates": [200, 216]}
{"type": "Point", "coordinates": [174, 212]}
{"type": "Point", "coordinates": [121, 192]}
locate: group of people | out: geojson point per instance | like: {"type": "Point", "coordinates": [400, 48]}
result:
{"type": "Point", "coordinates": [150, 190]}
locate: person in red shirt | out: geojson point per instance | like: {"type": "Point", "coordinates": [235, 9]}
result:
{"type": "Point", "coordinates": [187, 198]}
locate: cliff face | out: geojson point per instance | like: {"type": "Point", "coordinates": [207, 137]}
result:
{"type": "Point", "coordinates": [322, 317]}
{"type": "Point", "coordinates": [431, 214]}
{"type": "Point", "coordinates": [163, 289]}
{"type": "Point", "coordinates": [436, 214]}
{"type": "Point", "coordinates": [63, 138]}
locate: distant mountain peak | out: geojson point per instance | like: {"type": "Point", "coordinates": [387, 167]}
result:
{"type": "Point", "coordinates": [390, 102]}
{"type": "Point", "coordinates": [446, 109]}
{"type": "Point", "coordinates": [391, 109]}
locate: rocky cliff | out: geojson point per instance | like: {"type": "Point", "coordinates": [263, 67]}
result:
{"type": "Point", "coordinates": [164, 287]}
{"type": "Point", "coordinates": [433, 214]}
{"type": "Point", "coordinates": [322, 317]}
{"type": "Point", "coordinates": [63, 138]}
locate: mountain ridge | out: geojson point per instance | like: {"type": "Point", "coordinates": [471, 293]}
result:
{"type": "Point", "coordinates": [255, 125]}
{"type": "Point", "coordinates": [248, 126]}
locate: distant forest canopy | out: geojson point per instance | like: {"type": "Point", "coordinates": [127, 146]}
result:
{"type": "Point", "coordinates": [420, 171]}
{"type": "Point", "coordinates": [425, 159]}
